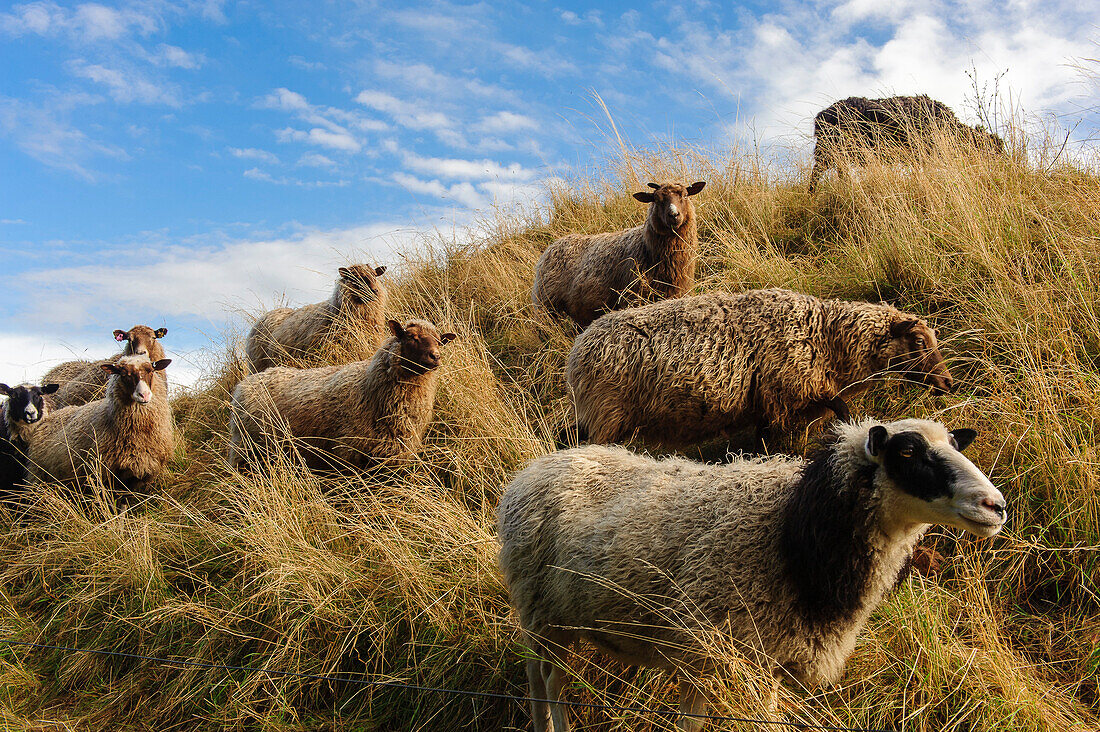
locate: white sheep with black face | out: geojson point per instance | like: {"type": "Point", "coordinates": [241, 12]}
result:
{"type": "Point", "coordinates": [26, 406]}
{"type": "Point", "coordinates": [788, 556]}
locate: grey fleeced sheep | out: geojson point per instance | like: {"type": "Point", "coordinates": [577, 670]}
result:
{"type": "Point", "coordinates": [904, 122]}
{"type": "Point", "coordinates": [85, 381]}
{"type": "Point", "coordinates": [784, 557]}
{"type": "Point", "coordinates": [26, 406]}
{"type": "Point", "coordinates": [288, 336]}
{"type": "Point", "coordinates": [125, 438]}
{"type": "Point", "coordinates": [678, 372]}
{"type": "Point", "coordinates": [583, 275]}
{"type": "Point", "coordinates": [345, 415]}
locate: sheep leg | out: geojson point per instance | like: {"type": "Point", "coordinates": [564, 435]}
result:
{"type": "Point", "coordinates": [839, 407]}
{"type": "Point", "coordinates": [553, 677]}
{"type": "Point", "coordinates": [540, 710]}
{"type": "Point", "coordinates": [692, 701]}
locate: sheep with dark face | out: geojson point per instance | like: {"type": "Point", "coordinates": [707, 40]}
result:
{"type": "Point", "coordinates": [287, 336]}
{"type": "Point", "coordinates": [787, 557]}
{"type": "Point", "coordinates": [85, 381]}
{"type": "Point", "coordinates": [679, 372]}
{"type": "Point", "coordinates": [126, 438]}
{"type": "Point", "coordinates": [908, 123]}
{"type": "Point", "coordinates": [348, 415]}
{"type": "Point", "coordinates": [583, 275]}
{"type": "Point", "coordinates": [25, 407]}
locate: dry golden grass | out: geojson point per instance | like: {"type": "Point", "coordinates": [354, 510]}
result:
{"type": "Point", "coordinates": [392, 574]}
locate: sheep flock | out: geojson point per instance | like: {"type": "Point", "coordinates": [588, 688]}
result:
{"type": "Point", "coordinates": [788, 556]}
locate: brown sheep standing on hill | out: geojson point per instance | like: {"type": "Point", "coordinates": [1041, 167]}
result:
{"type": "Point", "coordinates": [126, 438]}
{"type": "Point", "coordinates": [85, 381]}
{"type": "Point", "coordinates": [584, 275]}
{"type": "Point", "coordinates": [679, 372]}
{"type": "Point", "coordinates": [345, 415]}
{"type": "Point", "coordinates": [904, 122]}
{"type": "Point", "coordinates": [285, 336]}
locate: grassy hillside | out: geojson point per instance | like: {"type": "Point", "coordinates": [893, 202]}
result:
{"type": "Point", "coordinates": [394, 575]}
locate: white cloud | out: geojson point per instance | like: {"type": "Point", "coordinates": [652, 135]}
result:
{"type": "Point", "coordinates": [305, 65]}
{"type": "Point", "coordinates": [316, 160]}
{"type": "Point", "coordinates": [467, 169]}
{"type": "Point", "coordinates": [462, 193]}
{"type": "Point", "coordinates": [87, 22]}
{"type": "Point", "coordinates": [503, 122]}
{"type": "Point", "coordinates": [127, 85]}
{"type": "Point", "coordinates": [407, 114]}
{"type": "Point", "coordinates": [260, 175]}
{"type": "Point", "coordinates": [318, 136]}
{"type": "Point", "coordinates": [12, 222]}
{"type": "Point", "coordinates": [176, 57]}
{"type": "Point", "coordinates": [209, 282]}
{"type": "Point", "coordinates": [251, 153]}
{"type": "Point", "coordinates": [43, 133]}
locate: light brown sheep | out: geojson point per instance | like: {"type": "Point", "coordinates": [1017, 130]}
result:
{"type": "Point", "coordinates": [126, 438]}
{"type": "Point", "coordinates": [289, 336]}
{"type": "Point", "coordinates": [345, 415]}
{"type": "Point", "coordinates": [652, 561]}
{"type": "Point", "coordinates": [583, 275]}
{"type": "Point", "coordinates": [85, 381]}
{"type": "Point", "coordinates": [678, 372]}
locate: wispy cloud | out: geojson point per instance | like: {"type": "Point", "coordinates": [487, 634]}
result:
{"type": "Point", "coordinates": [44, 133]}
{"type": "Point", "coordinates": [467, 169]}
{"type": "Point", "coordinates": [260, 175]}
{"type": "Point", "coordinates": [505, 122]}
{"type": "Point", "coordinates": [86, 22]}
{"type": "Point", "coordinates": [335, 140]}
{"type": "Point", "coordinates": [126, 85]}
{"type": "Point", "coordinates": [251, 153]}
{"type": "Point", "coordinates": [316, 160]}
{"type": "Point", "coordinates": [327, 131]}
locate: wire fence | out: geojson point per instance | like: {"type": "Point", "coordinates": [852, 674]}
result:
{"type": "Point", "coordinates": [442, 690]}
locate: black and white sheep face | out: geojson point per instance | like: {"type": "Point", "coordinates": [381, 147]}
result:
{"type": "Point", "coordinates": [139, 339]}
{"type": "Point", "coordinates": [136, 374]}
{"type": "Point", "coordinates": [926, 479]}
{"type": "Point", "coordinates": [420, 345]}
{"type": "Point", "coordinates": [360, 282]}
{"type": "Point", "coordinates": [25, 402]}
{"type": "Point", "coordinates": [669, 202]}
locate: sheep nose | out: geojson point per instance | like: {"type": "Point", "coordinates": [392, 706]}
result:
{"type": "Point", "coordinates": [996, 507]}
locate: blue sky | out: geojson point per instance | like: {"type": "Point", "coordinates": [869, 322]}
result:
{"type": "Point", "coordinates": [180, 163]}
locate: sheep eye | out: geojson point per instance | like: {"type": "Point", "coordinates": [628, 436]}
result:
{"type": "Point", "coordinates": [906, 452]}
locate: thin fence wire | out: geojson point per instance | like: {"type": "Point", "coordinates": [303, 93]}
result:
{"type": "Point", "coordinates": [441, 690]}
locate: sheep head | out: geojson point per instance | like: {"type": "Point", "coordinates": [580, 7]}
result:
{"type": "Point", "coordinates": [139, 339]}
{"type": "Point", "coordinates": [419, 343]}
{"type": "Point", "coordinates": [912, 349]}
{"type": "Point", "coordinates": [25, 402]}
{"type": "Point", "coordinates": [360, 283]}
{"type": "Point", "coordinates": [669, 204]}
{"type": "Point", "coordinates": [135, 374]}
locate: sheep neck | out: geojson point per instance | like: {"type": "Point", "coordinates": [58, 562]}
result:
{"type": "Point", "coordinates": [837, 555]}
{"type": "Point", "coordinates": [19, 432]}
{"type": "Point", "coordinates": [669, 254]}
{"type": "Point", "coordinates": [852, 333]}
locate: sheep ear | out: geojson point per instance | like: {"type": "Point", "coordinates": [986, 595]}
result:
{"type": "Point", "coordinates": [160, 332]}
{"type": "Point", "coordinates": [344, 273]}
{"type": "Point", "coordinates": [50, 388]}
{"type": "Point", "coordinates": [961, 438]}
{"type": "Point", "coordinates": [120, 335]}
{"type": "Point", "coordinates": [396, 328]}
{"type": "Point", "coordinates": [876, 441]}
{"type": "Point", "coordinates": [110, 368]}
{"type": "Point", "coordinates": [162, 364]}
{"type": "Point", "coordinates": [654, 186]}
{"type": "Point", "coordinates": [379, 271]}
{"type": "Point", "coordinates": [447, 338]}
{"type": "Point", "coordinates": [696, 187]}
{"type": "Point", "coordinates": [901, 327]}
{"type": "Point", "coordinates": [5, 389]}
{"type": "Point", "coordinates": [644, 196]}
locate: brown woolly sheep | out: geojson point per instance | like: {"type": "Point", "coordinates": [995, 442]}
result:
{"type": "Point", "coordinates": [904, 122]}
{"type": "Point", "coordinates": [25, 407]}
{"type": "Point", "coordinates": [681, 371]}
{"type": "Point", "coordinates": [85, 381]}
{"type": "Point", "coordinates": [583, 275]}
{"type": "Point", "coordinates": [126, 438]}
{"type": "Point", "coordinates": [649, 560]}
{"type": "Point", "coordinates": [287, 336]}
{"type": "Point", "coordinates": [345, 415]}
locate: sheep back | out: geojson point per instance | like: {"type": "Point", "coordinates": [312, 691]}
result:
{"type": "Point", "coordinates": [355, 413]}
{"type": "Point", "coordinates": [680, 371]}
